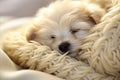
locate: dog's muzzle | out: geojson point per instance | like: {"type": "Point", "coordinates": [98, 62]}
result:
{"type": "Point", "coordinates": [64, 47]}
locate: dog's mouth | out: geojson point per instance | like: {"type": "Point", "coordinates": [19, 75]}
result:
{"type": "Point", "coordinates": [74, 53]}
{"type": "Point", "coordinates": [71, 53]}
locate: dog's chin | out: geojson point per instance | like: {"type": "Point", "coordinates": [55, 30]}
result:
{"type": "Point", "coordinates": [70, 53]}
{"type": "Point", "coordinates": [73, 53]}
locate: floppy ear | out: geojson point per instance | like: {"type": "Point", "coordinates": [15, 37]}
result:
{"type": "Point", "coordinates": [95, 12]}
{"type": "Point", "coordinates": [30, 32]}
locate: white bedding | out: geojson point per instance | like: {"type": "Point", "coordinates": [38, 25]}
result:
{"type": "Point", "coordinates": [21, 8]}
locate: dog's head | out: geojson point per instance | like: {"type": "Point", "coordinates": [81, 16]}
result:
{"type": "Point", "coordinates": [63, 25]}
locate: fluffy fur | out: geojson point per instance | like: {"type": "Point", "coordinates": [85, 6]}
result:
{"type": "Point", "coordinates": [63, 25]}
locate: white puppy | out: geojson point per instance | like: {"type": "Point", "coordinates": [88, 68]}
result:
{"type": "Point", "coordinates": [63, 25]}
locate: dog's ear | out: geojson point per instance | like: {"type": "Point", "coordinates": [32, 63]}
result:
{"type": "Point", "coordinates": [30, 32]}
{"type": "Point", "coordinates": [95, 13]}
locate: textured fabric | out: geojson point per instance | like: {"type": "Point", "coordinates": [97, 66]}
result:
{"type": "Point", "coordinates": [98, 60]}
{"type": "Point", "coordinates": [9, 71]}
{"type": "Point", "coordinates": [104, 55]}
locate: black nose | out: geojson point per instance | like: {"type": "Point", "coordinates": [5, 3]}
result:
{"type": "Point", "coordinates": [64, 47]}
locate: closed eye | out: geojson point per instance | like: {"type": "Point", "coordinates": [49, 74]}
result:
{"type": "Point", "coordinates": [73, 31]}
{"type": "Point", "coordinates": [53, 37]}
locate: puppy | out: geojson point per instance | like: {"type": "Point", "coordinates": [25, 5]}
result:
{"type": "Point", "coordinates": [63, 25]}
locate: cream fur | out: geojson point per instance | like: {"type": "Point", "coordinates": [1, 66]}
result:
{"type": "Point", "coordinates": [56, 23]}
